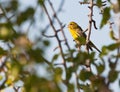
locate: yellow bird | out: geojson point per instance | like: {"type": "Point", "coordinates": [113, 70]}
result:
{"type": "Point", "coordinates": [79, 36]}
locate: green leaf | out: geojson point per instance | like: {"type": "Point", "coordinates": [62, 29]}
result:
{"type": "Point", "coordinates": [25, 15]}
{"type": "Point", "coordinates": [6, 32]}
{"type": "Point", "coordinates": [97, 82]}
{"type": "Point", "coordinates": [55, 57]}
{"type": "Point", "coordinates": [85, 75]}
{"type": "Point", "coordinates": [36, 54]}
{"type": "Point", "coordinates": [100, 68]}
{"type": "Point", "coordinates": [86, 88]}
{"type": "Point", "coordinates": [106, 17]}
{"type": "Point", "coordinates": [69, 54]}
{"type": "Point", "coordinates": [104, 51]}
{"type": "Point", "coordinates": [69, 72]}
{"type": "Point", "coordinates": [46, 42]}
{"type": "Point", "coordinates": [34, 83]}
{"type": "Point", "coordinates": [82, 57]}
{"type": "Point", "coordinates": [70, 87]}
{"type": "Point", "coordinates": [2, 52]}
{"type": "Point", "coordinates": [58, 74]}
{"type": "Point", "coordinates": [112, 75]}
{"type": "Point", "coordinates": [12, 6]}
{"type": "Point", "coordinates": [113, 46]}
{"type": "Point", "coordinates": [41, 2]}
{"type": "Point", "coordinates": [99, 3]}
{"type": "Point", "coordinates": [1, 77]}
{"type": "Point", "coordinates": [112, 35]}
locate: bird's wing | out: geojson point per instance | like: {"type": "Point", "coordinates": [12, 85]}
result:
{"type": "Point", "coordinates": [80, 31]}
{"type": "Point", "coordinates": [92, 45]}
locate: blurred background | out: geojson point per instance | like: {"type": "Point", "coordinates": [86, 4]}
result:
{"type": "Point", "coordinates": [33, 59]}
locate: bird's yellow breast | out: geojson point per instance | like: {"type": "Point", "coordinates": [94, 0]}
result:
{"type": "Point", "coordinates": [74, 34]}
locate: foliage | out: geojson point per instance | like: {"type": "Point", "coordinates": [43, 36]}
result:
{"type": "Point", "coordinates": [25, 58]}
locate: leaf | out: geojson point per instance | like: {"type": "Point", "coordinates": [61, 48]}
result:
{"type": "Point", "coordinates": [25, 15]}
{"type": "Point", "coordinates": [1, 77]}
{"type": "Point", "coordinates": [70, 87]}
{"type": "Point", "coordinates": [69, 72]}
{"type": "Point", "coordinates": [58, 74]}
{"type": "Point", "coordinates": [86, 88]}
{"type": "Point", "coordinates": [2, 52]}
{"type": "Point", "coordinates": [100, 68]}
{"type": "Point", "coordinates": [112, 75]}
{"type": "Point", "coordinates": [106, 17]}
{"type": "Point", "coordinates": [35, 54]}
{"type": "Point", "coordinates": [113, 46]}
{"type": "Point", "coordinates": [12, 6]}
{"type": "Point", "coordinates": [85, 75]}
{"type": "Point", "coordinates": [34, 83]}
{"type": "Point", "coordinates": [46, 42]}
{"type": "Point", "coordinates": [6, 32]}
{"type": "Point", "coordinates": [112, 35]}
{"type": "Point", "coordinates": [82, 57]}
{"type": "Point", "coordinates": [99, 3]}
{"type": "Point", "coordinates": [41, 2]}
{"type": "Point", "coordinates": [104, 51]}
{"type": "Point", "coordinates": [97, 82]}
{"type": "Point", "coordinates": [55, 57]}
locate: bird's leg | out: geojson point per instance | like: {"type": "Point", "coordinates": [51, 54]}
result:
{"type": "Point", "coordinates": [78, 47]}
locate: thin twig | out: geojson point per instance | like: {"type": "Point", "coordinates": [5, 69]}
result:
{"type": "Point", "coordinates": [48, 36]}
{"type": "Point", "coordinates": [55, 14]}
{"type": "Point", "coordinates": [94, 23]}
{"type": "Point", "coordinates": [8, 19]}
{"type": "Point", "coordinates": [32, 19]}
{"type": "Point", "coordinates": [118, 50]}
{"type": "Point", "coordinates": [16, 89]}
{"type": "Point", "coordinates": [85, 30]}
{"type": "Point", "coordinates": [56, 35]}
{"type": "Point", "coordinates": [3, 83]}
{"type": "Point", "coordinates": [77, 81]}
{"type": "Point", "coordinates": [89, 30]}
{"type": "Point", "coordinates": [90, 21]}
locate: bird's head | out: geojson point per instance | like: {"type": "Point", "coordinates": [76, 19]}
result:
{"type": "Point", "coordinates": [72, 25]}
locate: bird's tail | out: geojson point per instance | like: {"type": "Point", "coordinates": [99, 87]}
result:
{"type": "Point", "coordinates": [92, 45]}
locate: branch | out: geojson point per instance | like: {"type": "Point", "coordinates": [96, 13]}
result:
{"type": "Point", "coordinates": [32, 19]}
{"type": "Point", "coordinates": [91, 4]}
{"type": "Point", "coordinates": [48, 36]}
{"type": "Point", "coordinates": [8, 19]}
{"type": "Point", "coordinates": [85, 31]}
{"type": "Point", "coordinates": [58, 10]}
{"type": "Point", "coordinates": [90, 21]}
{"type": "Point", "coordinates": [56, 35]}
{"type": "Point", "coordinates": [59, 22]}
{"type": "Point", "coordinates": [94, 23]}
{"type": "Point", "coordinates": [118, 50]}
{"type": "Point", "coordinates": [77, 81]}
